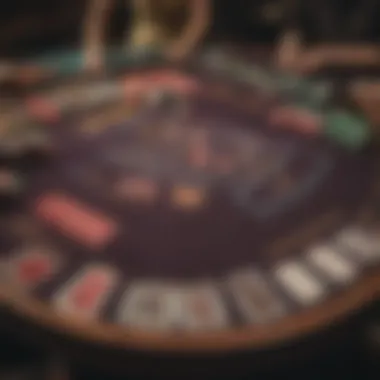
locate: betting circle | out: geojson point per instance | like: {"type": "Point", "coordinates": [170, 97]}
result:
{"type": "Point", "coordinates": [179, 208]}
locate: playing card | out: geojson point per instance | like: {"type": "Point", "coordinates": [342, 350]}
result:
{"type": "Point", "coordinates": [361, 243]}
{"type": "Point", "coordinates": [76, 220]}
{"type": "Point", "coordinates": [162, 306]}
{"type": "Point", "coordinates": [301, 285]}
{"type": "Point", "coordinates": [31, 266]}
{"type": "Point", "coordinates": [255, 298]}
{"type": "Point", "coordinates": [86, 293]}
{"type": "Point", "coordinates": [203, 307]}
{"type": "Point", "coordinates": [150, 305]}
{"type": "Point", "coordinates": [328, 260]}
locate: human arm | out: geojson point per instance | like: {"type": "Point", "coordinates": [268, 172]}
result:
{"type": "Point", "coordinates": [290, 44]}
{"type": "Point", "coordinates": [349, 55]}
{"type": "Point", "coordinates": [94, 31]}
{"type": "Point", "coordinates": [195, 29]}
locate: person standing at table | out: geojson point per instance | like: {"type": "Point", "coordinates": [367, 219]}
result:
{"type": "Point", "coordinates": [329, 32]}
{"type": "Point", "coordinates": [174, 27]}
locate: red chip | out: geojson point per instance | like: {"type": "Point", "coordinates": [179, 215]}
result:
{"type": "Point", "coordinates": [43, 110]}
{"type": "Point", "coordinates": [139, 84]}
{"type": "Point", "coordinates": [308, 123]}
{"type": "Point", "coordinates": [136, 85]}
{"type": "Point", "coordinates": [296, 120]}
{"type": "Point", "coordinates": [76, 220]}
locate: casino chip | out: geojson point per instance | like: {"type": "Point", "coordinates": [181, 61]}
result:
{"type": "Point", "coordinates": [347, 129]}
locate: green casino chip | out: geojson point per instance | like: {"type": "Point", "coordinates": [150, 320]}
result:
{"type": "Point", "coordinates": [349, 130]}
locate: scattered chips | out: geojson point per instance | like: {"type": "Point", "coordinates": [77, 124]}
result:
{"type": "Point", "coordinates": [268, 174]}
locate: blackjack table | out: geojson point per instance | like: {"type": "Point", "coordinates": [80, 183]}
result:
{"type": "Point", "coordinates": [200, 210]}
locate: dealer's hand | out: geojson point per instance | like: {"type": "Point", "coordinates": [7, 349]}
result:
{"type": "Point", "coordinates": [288, 51]}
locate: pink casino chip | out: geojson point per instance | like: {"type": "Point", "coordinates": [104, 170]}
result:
{"type": "Point", "coordinates": [139, 84]}
{"type": "Point", "coordinates": [297, 120]}
{"type": "Point", "coordinates": [76, 220]}
{"type": "Point", "coordinates": [43, 110]}
{"type": "Point", "coordinates": [175, 81]}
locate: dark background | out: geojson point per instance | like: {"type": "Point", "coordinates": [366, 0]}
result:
{"type": "Point", "coordinates": [29, 26]}
{"type": "Point", "coordinates": [33, 25]}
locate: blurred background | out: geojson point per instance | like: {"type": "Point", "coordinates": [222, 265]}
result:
{"type": "Point", "coordinates": [30, 27]}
